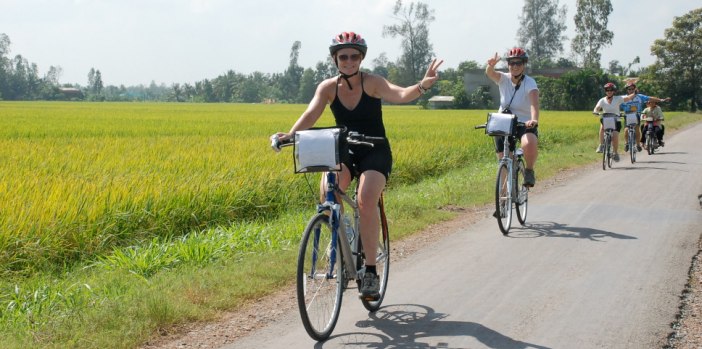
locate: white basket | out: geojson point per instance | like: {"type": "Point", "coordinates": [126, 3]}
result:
{"type": "Point", "coordinates": [609, 121]}
{"type": "Point", "coordinates": [500, 124]}
{"type": "Point", "coordinates": [631, 119]}
{"type": "Point", "coordinates": [317, 150]}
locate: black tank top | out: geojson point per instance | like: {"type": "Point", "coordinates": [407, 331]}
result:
{"type": "Point", "coordinates": [366, 118]}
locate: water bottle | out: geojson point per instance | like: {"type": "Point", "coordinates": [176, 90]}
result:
{"type": "Point", "coordinates": [350, 233]}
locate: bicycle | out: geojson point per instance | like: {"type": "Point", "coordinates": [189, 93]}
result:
{"type": "Point", "coordinates": [609, 124]}
{"type": "Point", "coordinates": [632, 122]}
{"type": "Point", "coordinates": [651, 140]}
{"type": "Point", "coordinates": [331, 253]}
{"type": "Point", "coordinates": [509, 184]}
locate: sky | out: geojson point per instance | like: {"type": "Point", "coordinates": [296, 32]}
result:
{"type": "Point", "coordinates": [135, 42]}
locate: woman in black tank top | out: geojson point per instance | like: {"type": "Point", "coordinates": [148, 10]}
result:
{"type": "Point", "coordinates": [355, 99]}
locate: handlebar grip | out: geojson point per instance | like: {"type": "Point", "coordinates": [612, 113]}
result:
{"type": "Point", "coordinates": [277, 143]}
{"type": "Point", "coordinates": [480, 126]}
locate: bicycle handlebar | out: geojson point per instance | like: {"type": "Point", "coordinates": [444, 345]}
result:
{"type": "Point", "coordinates": [519, 123]}
{"type": "Point", "coordinates": [621, 114]}
{"type": "Point", "coordinates": [352, 138]}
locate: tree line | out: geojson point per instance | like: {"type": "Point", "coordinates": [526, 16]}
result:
{"type": "Point", "coordinates": [675, 72]}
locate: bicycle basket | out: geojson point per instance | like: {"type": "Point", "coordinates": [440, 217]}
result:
{"type": "Point", "coordinates": [319, 149]}
{"type": "Point", "coordinates": [631, 119]}
{"type": "Point", "coordinates": [609, 121]}
{"type": "Point", "coordinates": [500, 124]}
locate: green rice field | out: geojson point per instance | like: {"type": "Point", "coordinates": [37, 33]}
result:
{"type": "Point", "coordinates": [119, 220]}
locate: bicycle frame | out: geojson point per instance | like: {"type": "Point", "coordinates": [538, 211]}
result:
{"type": "Point", "coordinates": [513, 197]}
{"type": "Point", "coordinates": [338, 228]}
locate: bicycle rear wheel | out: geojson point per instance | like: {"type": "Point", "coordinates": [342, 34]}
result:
{"type": "Point", "coordinates": [521, 194]}
{"type": "Point", "coordinates": [382, 260]}
{"type": "Point", "coordinates": [503, 199]}
{"type": "Point", "coordinates": [320, 278]}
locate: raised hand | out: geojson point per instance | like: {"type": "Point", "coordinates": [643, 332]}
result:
{"type": "Point", "coordinates": [432, 74]}
{"type": "Point", "coordinates": [493, 60]}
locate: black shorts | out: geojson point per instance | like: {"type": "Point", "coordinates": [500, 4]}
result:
{"type": "Point", "coordinates": [362, 158]}
{"type": "Point", "coordinates": [521, 131]}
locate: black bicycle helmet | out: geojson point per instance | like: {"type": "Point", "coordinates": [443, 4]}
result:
{"type": "Point", "coordinates": [348, 40]}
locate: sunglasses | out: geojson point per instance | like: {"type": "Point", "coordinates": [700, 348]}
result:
{"type": "Point", "coordinates": [516, 63]}
{"type": "Point", "coordinates": [609, 90]}
{"type": "Point", "coordinates": [354, 57]}
{"type": "Point", "coordinates": [630, 88]}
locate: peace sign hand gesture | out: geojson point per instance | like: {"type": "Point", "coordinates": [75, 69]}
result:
{"type": "Point", "coordinates": [492, 61]}
{"type": "Point", "coordinates": [431, 75]}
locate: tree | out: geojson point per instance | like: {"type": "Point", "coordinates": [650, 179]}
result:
{"type": "Point", "coordinates": [678, 58]}
{"type": "Point", "coordinates": [542, 24]}
{"type": "Point", "coordinates": [591, 20]}
{"type": "Point", "coordinates": [290, 81]}
{"type": "Point", "coordinates": [307, 86]}
{"type": "Point", "coordinates": [417, 52]}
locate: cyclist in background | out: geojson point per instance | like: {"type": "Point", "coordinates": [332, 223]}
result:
{"type": "Point", "coordinates": [522, 102]}
{"type": "Point", "coordinates": [611, 104]}
{"type": "Point", "coordinates": [654, 111]}
{"type": "Point", "coordinates": [636, 106]}
{"type": "Point", "coordinates": [355, 99]}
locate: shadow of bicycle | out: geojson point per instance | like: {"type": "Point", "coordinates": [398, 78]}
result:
{"type": "Point", "coordinates": [412, 326]}
{"type": "Point", "coordinates": [559, 230]}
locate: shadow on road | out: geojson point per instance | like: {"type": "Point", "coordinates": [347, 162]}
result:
{"type": "Point", "coordinates": [403, 324]}
{"type": "Point", "coordinates": [559, 230]}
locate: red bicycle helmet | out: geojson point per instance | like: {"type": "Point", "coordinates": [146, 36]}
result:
{"type": "Point", "coordinates": [610, 85]}
{"type": "Point", "coordinates": [348, 40]}
{"type": "Point", "coordinates": [518, 52]}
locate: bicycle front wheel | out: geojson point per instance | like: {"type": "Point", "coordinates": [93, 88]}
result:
{"type": "Point", "coordinates": [503, 199]}
{"type": "Point", "coordinates": [605, 151]}
{"type": "Point", "coordinates": [382, 259]}
{"type": "Point", "coordinates": [632, 145]}
{"type": "Point", "coordinates": [320, 278]}
{"type": "Point", "coordinates": [521, 200]}
{"type": "Point", "coordinates": [610, 154]}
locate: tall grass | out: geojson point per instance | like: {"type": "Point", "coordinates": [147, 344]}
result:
{"type": "Point", "coordinates": [99, 201]}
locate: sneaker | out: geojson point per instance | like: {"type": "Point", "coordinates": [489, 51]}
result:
{"type": "Point", "coordinates": [615, 157]}
{"type": "Point", "coordinates": [639, 148]}
{"type": "Point", "coordinates": [370, 287]}
{"type": "Point", "coordinates": [626, 147]}
{"type": "Point", "coordinates": [600, 148]}
{"type": "Point", "coordinates": [529, 177]}
{"type": "Point", "coordinates": [661, 143]}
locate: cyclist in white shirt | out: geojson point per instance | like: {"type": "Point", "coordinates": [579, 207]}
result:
{"type": "Point", "coordinates": [610, 104]}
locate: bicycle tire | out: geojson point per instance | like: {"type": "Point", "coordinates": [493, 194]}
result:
{"type": "Point", "coordinates": [649, 143]}
{"type": "Point", "coordinates": [521, 202]}
{"type": "Point", "coordinates": [503, 199]}
{"type": "Point", "coordinates": [320, 278]}
{"type": "Point", "coordinates": [382, 261]}
{"type": "Point", "coordinates": [632, 145]}
{"type": "Point", "coordinates": [610, 154]}
{"type": "Point", "coordinates": [605, 151]}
